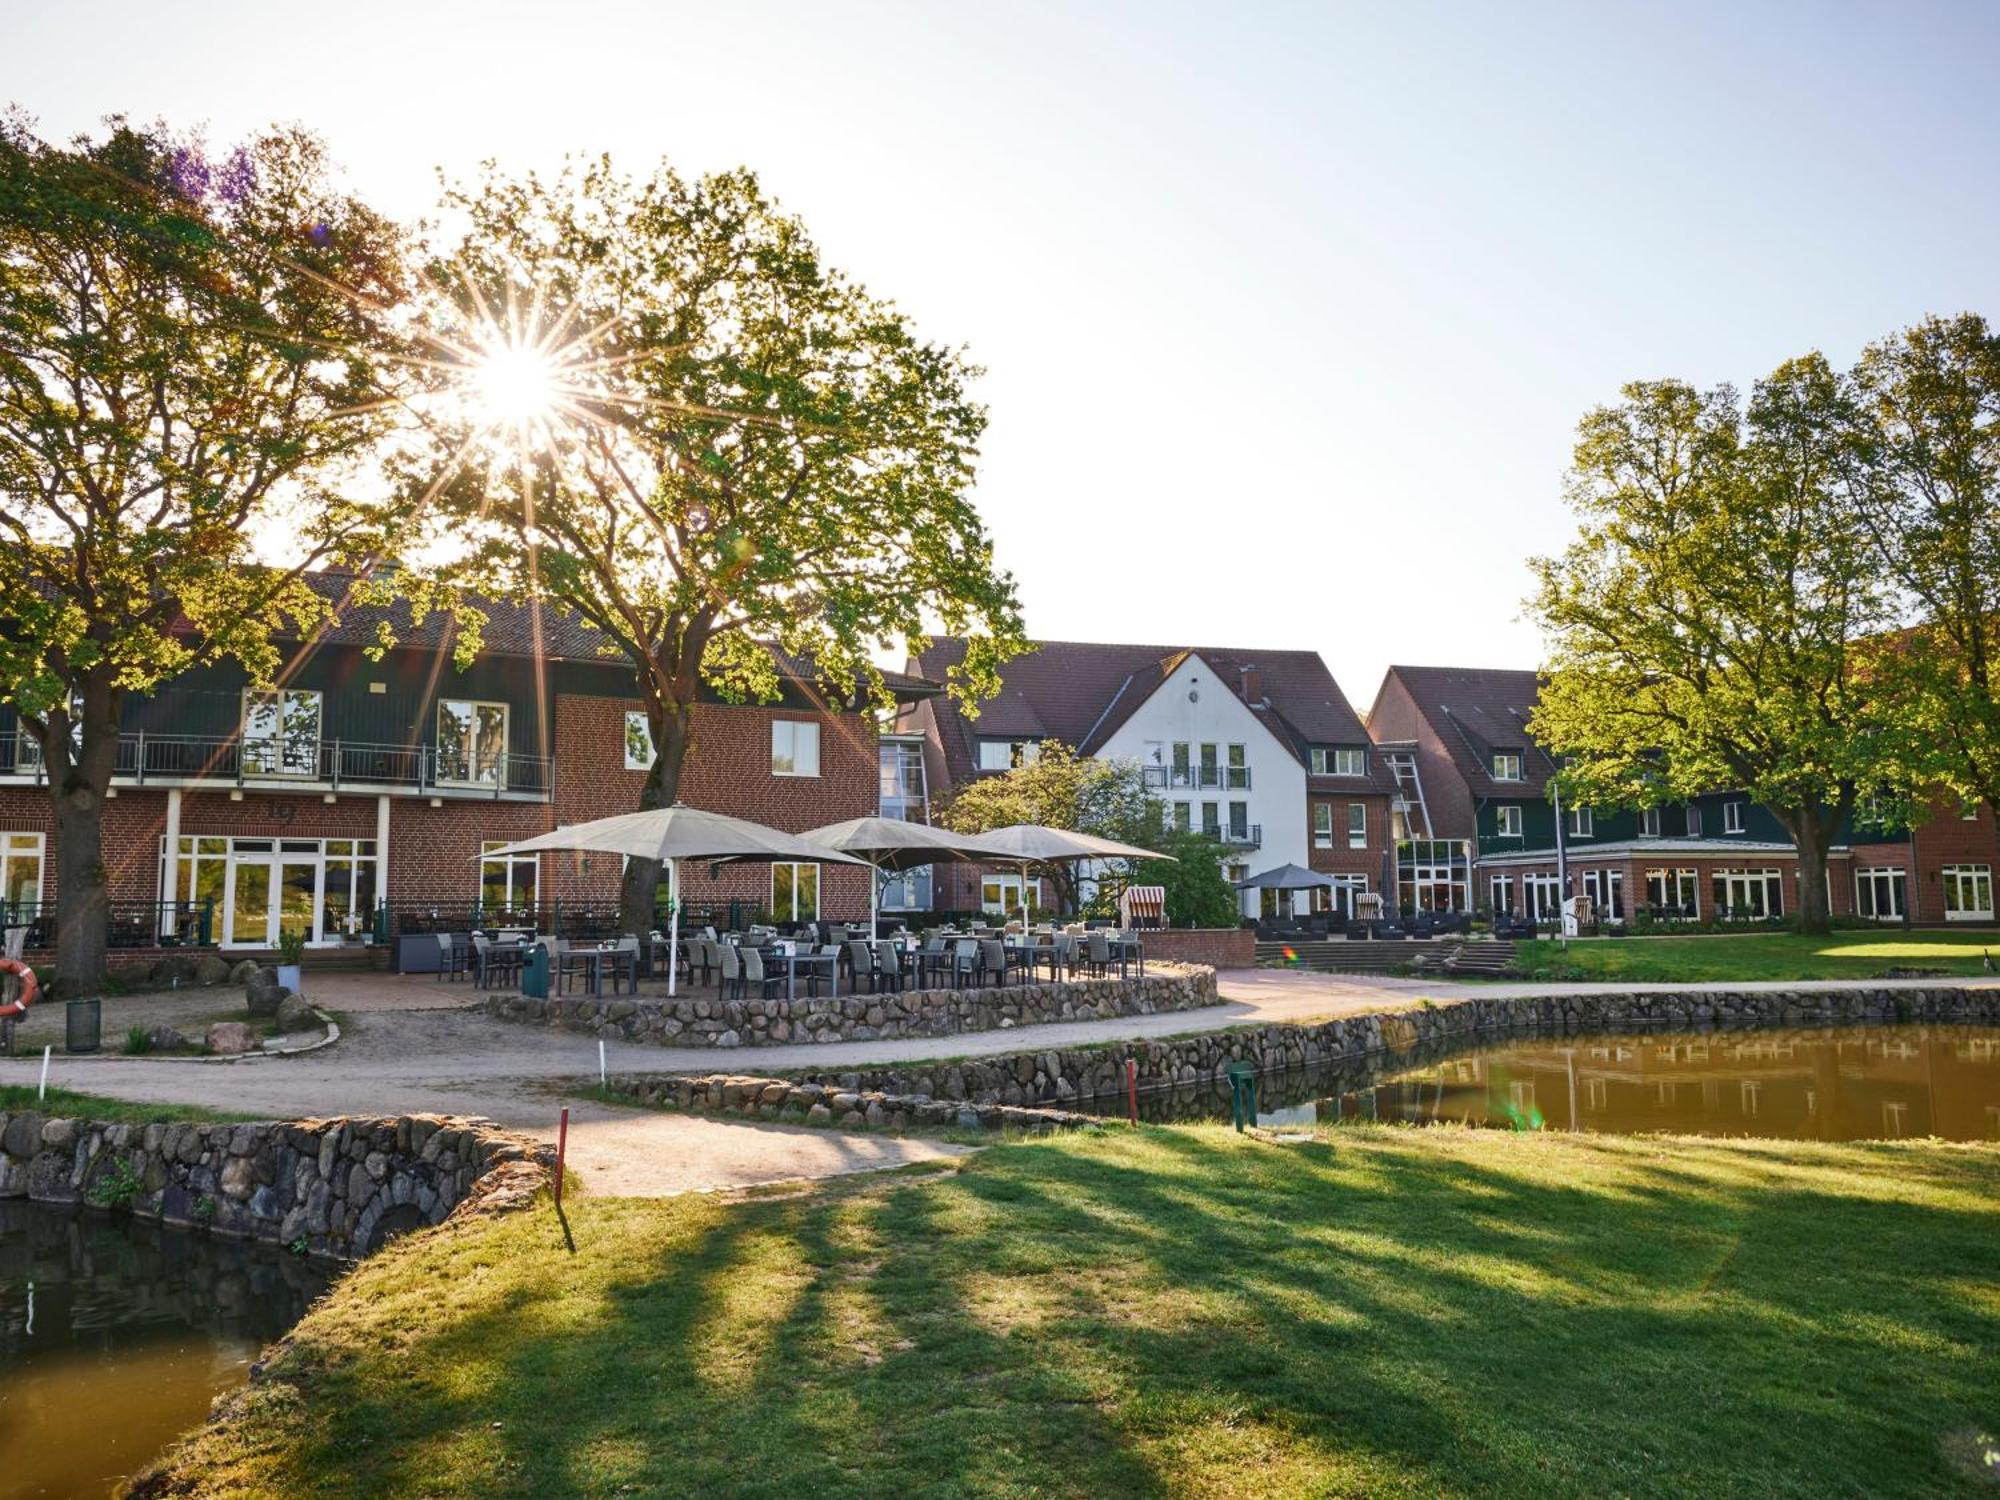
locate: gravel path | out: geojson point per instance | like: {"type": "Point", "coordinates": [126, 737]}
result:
{"type": "Point", "coordinates": [410, 1044]}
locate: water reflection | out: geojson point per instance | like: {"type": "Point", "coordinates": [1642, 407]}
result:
{"type": "Point", "coordinates": [115, 1336]}
{"type": "Point", "coordinates": [1829, 1083]}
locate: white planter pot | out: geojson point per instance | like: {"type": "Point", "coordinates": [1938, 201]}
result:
{"type": "Point", "coordinates": [288, 976]}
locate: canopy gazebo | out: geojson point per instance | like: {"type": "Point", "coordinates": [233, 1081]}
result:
{"type": "Point", "coordinates": [890, 845]}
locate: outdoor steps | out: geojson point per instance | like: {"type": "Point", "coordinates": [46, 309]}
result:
{"type": "Point", "coordinates": [1454, 955]}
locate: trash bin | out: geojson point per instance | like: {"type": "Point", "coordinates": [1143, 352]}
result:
{"type": "Point", "coordinates": [85, 1025]}
{"type": "Point", "coordinates": [535, 973]}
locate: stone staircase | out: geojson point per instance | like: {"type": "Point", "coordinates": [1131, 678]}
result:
{"type": "Point", "coordinates": [1454, 955]}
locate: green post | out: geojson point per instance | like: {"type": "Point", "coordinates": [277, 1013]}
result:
{"type": "Point", "coordinates": [205, 929]}
{"type": "Point", "coordinates": [1242, 1094]}
{"type": "Point", "coordinates": [382, 919]}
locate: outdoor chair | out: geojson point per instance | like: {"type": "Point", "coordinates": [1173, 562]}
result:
{"type": "Point", "coordinates": [1097, 953]}
{"type": "Point", "coordinates": [932, 960]}
{"type": "Point", "coordinates": [888, 966]}
{"type": "Point", "coordinates": [767, 985]}
{"type": "Point", "coordinates": [729, 969]}
{"type": "Point", "coordinates": [860, 964]}
{"type": "Point", "coordinates": [568, 961]}
{"type": "Point", "coordinates": [992, 960]}
{"type": "Point", "coordinates": [492, 960]}
{"type": "Point", "coordinates": [452, 959]}
{"type": "Point", "coordinates": [964, 960]}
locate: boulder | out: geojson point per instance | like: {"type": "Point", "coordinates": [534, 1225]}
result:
{"type": "Point", "coordinates": [174, 967]}
{"type": "Point", "coordinates": [166, 1039]}
{"type": "Point", "coordinates": [231, 1039]}
{"type": "Point", "coordinates": [294, 1014]}
{"type": "Point", "coordinates": [211, 968]}
{"type": "Point", "coordinates": [246, 970]}
{"type": "Point", "coordinates": [263, 996]}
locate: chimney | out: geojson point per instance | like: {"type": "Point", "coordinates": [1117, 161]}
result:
{"type": "Point", "coordinates": [1253, 685]}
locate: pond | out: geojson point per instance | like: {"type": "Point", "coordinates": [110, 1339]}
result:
{"type": "Point", "coordinates": [115, 1335]}
{"type": "Point", "coordinates": [1840, 1083]}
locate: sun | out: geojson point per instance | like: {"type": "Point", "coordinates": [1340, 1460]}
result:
{"type": "Point", "coordinates": [515, 387]}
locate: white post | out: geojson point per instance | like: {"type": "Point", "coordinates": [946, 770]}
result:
{"type": "Point", "coordinates": [673, 923]}
{"type": "Point", "coordinates": [603, 1074]}
{"type": "Point", "coordinates": [170, 892]}
{"type": "Point", "coordinates": [874, 899]}
{"type": "Point", "coordinates": [42, 1090]}
{"type": "Point", "coordinates": [381, 853]}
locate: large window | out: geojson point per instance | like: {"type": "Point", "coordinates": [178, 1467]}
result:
{"type": "Point", "coordinates": [1181, 773]}
{"type": "Point", "coordinates": [1649, 823]}
{"type": "Point", "coordinates": [1507, 766]}
{"type": "Point", "coordinates": [1339, 897]}
{"type": "Point", "coordinates": [900, 770]}
{"type": "Point", "coordinates": [1732, 817]}
{"type": "Point", "coordinates": [1747, 895]}
{"type": "Point", "coordinates": [1507, 820]}
{"type": "Point", "coordinates": [1582, 825]}
{"type": "Point", "coordinates": [1968, 893]}
{"type": "Point", "coordinates": [994, 755]}
{"type": "Point", "coordinates": [1322, 825]}
{"type": "Point", "coordinates": [795, 892]}
{"type": "Point", "coordinates": [1239, 768]}
{"type": "Point", "coordinates": [1339, 762]}
{"type": "Point", "coordinates": [508, 883]}
{"type": "Point", "coordinates": [1211, 820]}
{"type": "Point", "coordinates": [347, 901]}
{"type": "Point", "coordinates": [1878, 894]}
{"type": "Point", "coordinates": [638, 741]}
{"type": "Point", "coordinates": [1503, 894]}
{"type": "Point", "coordinates": [1183, 818]}
{"type": "Point", "coordinates": [281, 733]}
{"type": "Point", "coordinates": [1357, 825]}
{"type": "Point", "coordinates": [1541, 897]}
{"type": "Point", "coordinates": [1606, 890]}
{"type": "Point", "coordinates": [1239, 822]}
{"type": "Point", "coordinates": [20, 869]}
{"type": "Point", "coordinates": [1694, 821]}
{"type": "Point", "coordinates": [1002, 893]}
{"type": "Point", "coordinates": [794, 747]}
{"type": "Point", "coordinates": [472, 742]}
{"type": "Point", "coordinates": [1210, 774]}
{"type": "Point", "coordinates": [1672, 892]}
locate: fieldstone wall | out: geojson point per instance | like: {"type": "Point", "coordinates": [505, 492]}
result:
{"type": "Point", "coordinates": [342, 1187]}
{"type": "Point", "coordinates": [699, 1022]}
{"type": "Point", "coordinates": [1059, 1075]}
{"type": "Point", "coordinates": [827, 1104]}
{"type": "Point", "coordinates": [1218, 947]}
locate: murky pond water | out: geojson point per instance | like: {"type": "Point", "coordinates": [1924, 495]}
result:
{"type": "Point", "coordinates": [1831, 1083]}
{"type": "Point", "coordinates": [116, 1335]}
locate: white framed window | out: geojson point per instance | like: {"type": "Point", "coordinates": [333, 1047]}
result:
{"type": "Point", "coordinates": [1338, 761]}
{"type": "Point", "coordinates": [1582, 825]}
{"type": "Point", "coordinates": [1968, 812]}
{"type": "Point", "coordinates": [1507, 820]}
{"type": "Point", "coordinates": [795, 891]}
{"type": "Point", "coordinates": [1879, 894]}
{"type": "Point", "coordinates": [471, 741]}
{"type": "Point", "coordinates": [638, 740]}
{"type": "Point", "coordinates": [1211, 820]}
{"type": "Point", "coordinates": [1732, 817]}
{"type": "Point", "coordinates": [1503, 894]}
{"type": "Point", "coordinates": [794, 748]}
{"type": "Point", "coordinates": [1236, 770]}
{"type": "Point", "coordinates": [1183, 818]}
{"type": "Point", "coordinates": [1180, 771]}
{"type": "Point", "coordinates": [1694, 821]}
{"type": "Point", "coordinates": [1968, 893]}
{"type": "Point", "coordinates": [1239, 822]}
{"type": "Point", "coordinates": [1211, 766]}
{"type": "Point", "coordinates": [1649, 823]}
{"type": "Point", "coordinates": [281, 732]}
{"type": "Point", "coordinates": [1357, 825]}
{"type": "Point", "coordinates": [20, 869]}
{"type": "Point", "coordinates": [1672, 892]}
{"type": "Point", "coordinates": [1002, 893]}
{"type": "Point", "coordinates": [1747, 895]}
{"type": "Point", "coordinates": [994, 755]}
{"type": "Point", "coordinates": [1322, 825]}
{"type": "Point", "coordinates": [507, 882]}
{"type": "Point", "coordinates": [1507, 766]}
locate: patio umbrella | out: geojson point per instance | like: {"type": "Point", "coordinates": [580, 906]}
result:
{"type": "Point", "coordinates": [1034, 844]}
{"type": "Point", "coordinates": [672, 834]}
{"type": "Point", "coordinates": [1286, 878]}
{"type": "Point", "coordinates": [890, 844]}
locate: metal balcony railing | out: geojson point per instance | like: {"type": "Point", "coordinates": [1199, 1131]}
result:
{"type": "Point", "coordinates": [303, 765]}
{"type": "Point", "coordinates": [1197, 778]}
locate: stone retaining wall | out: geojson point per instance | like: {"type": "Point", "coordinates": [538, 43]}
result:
{"type": "Point", "coordinates": [1218, 947]}
{"type": "Point", "coordinates": [341, 1186]}
{"type": "Point", "coordinates": [1060, 1075]}
{"type": "Point", "coordinates": [700, 1022]}
{"type": "Point", "coordinates": [827, 1104]}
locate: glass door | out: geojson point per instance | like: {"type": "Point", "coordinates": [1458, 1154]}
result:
{"type": "Point", "coordinates": [1878, 895]}
{"type": "Point", "coordinates": [247, 915]}
{"type": "Point", "coordinates": [1968, 893]}
{"type": "Point", "coordinates": [298, 896]}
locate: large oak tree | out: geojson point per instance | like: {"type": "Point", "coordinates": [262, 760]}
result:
{"type": "Point", "coordinates": [1712, 625]}
{"type": "Point", "coordinates": [733, 447]}
{"type": "Point", "coordinates": [186, 362]}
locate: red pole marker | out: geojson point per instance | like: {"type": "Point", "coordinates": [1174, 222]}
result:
{"type": "Point", "coordinates": [562, 1150]}
{"type": "Point", "coordinates": [1132, 1089]}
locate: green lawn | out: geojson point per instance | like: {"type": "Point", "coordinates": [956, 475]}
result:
{"type": "Point", "coordinates": [1180, 1312]}
{"type": "Point", "coordinates": [1764, 955]}
{"type": "Point", "coordinates": [64, 1103]}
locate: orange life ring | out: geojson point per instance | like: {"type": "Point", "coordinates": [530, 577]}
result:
{"type": "Point", "coordinates": [18, 1006]}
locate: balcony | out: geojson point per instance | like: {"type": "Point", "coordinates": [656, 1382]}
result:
{"type": "Point", "coordinates": [1197, 778]}
{"type": "Point", "coordinates": [208, 762]}
{"type": "Point", "coordinates": [1248, 836]}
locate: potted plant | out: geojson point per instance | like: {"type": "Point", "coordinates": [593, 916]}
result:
{"type": "Point", "coordinates": [291, 953]}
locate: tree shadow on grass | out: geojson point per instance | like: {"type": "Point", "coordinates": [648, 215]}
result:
{"type": "Point", "coordinates": [1185, 1311]}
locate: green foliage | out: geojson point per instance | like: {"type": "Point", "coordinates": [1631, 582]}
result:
{"type": "Point", "coordinates": [138, 1041]}
{"type": "Point", "coordinates": [750, 448]}
{"type": "Point", "coordinates": [291, 945]}
{"type": "Point", "coordinates": [1711, 625]}
{"type": "Point", "coordinates": [190, 354]}
{"type": "Point", "coordinates": [1198, 893]}
{"type": "Point", "coordinates": [202, 1210]}
{"type": "Point", "coordinates": [115, 1185]}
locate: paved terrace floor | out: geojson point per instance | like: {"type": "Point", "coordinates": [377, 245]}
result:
{"type": "Point", "coordinates": [411, 1044]}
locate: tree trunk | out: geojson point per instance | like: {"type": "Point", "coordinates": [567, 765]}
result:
{"type": "Point", "coordinates": [673, 734]}
{"type": "Point", "coordinates": [1810, 836]}
{"type": "Point", "coordinates": [78, 780]}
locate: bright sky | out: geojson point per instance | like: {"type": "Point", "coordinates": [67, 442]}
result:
{"type": "Point", "coordinates": [1289, 310]}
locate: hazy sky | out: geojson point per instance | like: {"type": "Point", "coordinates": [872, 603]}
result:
{"type": "Point", "coordinates": [1289, 311]}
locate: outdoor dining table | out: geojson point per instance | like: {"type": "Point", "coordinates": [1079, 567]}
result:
{"type": "Point", "coordinates": [791, 963]}
{"type": "Point", "coordinates": [620, 958]}
{"type": "Point", "coordinates": [513, 955]}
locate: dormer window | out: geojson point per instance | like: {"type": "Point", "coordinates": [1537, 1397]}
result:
{"type": "Point", "coordinates": [1005, 755]}
{"type": "Point", "coordinates": [1732, 817]}
{"type": "Point", "coordinates": [1339, 761]}
{"type": "Point", "coordinates": [1507, 766]}
{"type": "Point", "coordinates": [1581, 824]}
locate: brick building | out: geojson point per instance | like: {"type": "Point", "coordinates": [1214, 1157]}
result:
{"type": "Point", "coordinates": [1259, 749]}
{"type": "Point", "coordinates": [1477, 782]}
{"type": "Point", "coordinates": [358, 781]}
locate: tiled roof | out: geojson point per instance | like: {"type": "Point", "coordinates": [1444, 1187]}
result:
{"type": "Point", "coordinates": [1081, 692]}
{"type": "Point", "coordinates": [1476, 711]}
{"type": "Point", "coordinates": [518, 630]}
